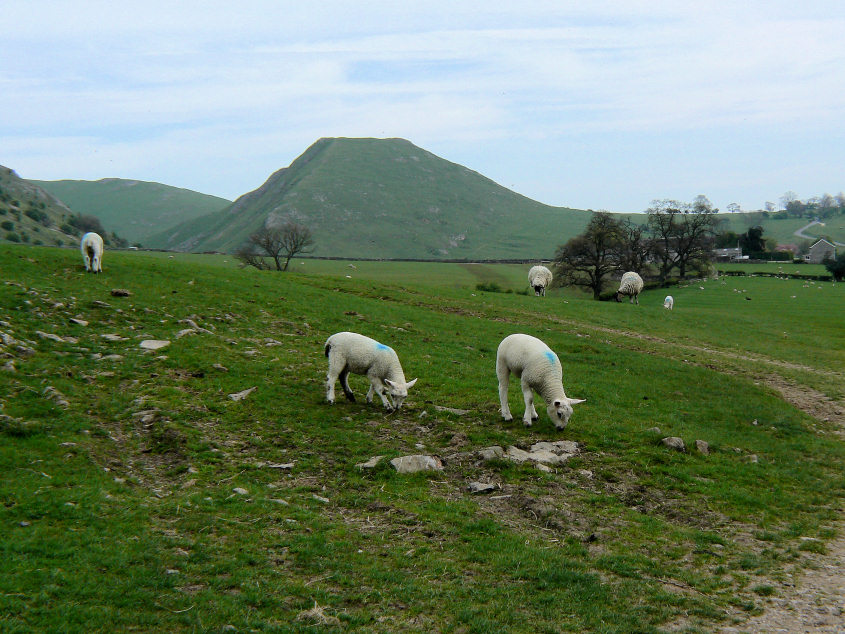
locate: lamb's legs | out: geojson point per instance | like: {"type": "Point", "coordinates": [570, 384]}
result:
{"type": "Point", "coordinates": [530, 413]}
{"type": "Point", "coordinates": [504, 377]}
{"type": "Point", "coordinates": [344, 383]}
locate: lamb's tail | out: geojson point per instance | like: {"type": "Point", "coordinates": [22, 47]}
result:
{"type": "Point", "coordinates": [328, 347]}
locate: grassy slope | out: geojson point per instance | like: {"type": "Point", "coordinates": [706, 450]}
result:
{"type": "Point", "coordinates": [114, 523]}
{"type": "Point", "coordinates": [133, 209]}
{"type": "Point", "coordinates": [388, 198]}
{"type": "Point", "coordinates": [18, 197]}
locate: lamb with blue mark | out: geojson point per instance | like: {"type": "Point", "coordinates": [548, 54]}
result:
{"type": "Point", "coordinates": [539, 369]}
{"type": "Point", "coordinates": [352, 352]}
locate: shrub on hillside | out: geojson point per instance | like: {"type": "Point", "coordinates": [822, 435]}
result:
{"type": "Point", "coordinates": [13, 237]}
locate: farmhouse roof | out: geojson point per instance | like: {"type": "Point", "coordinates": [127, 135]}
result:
{"type": "Point", "coordinates": [820, 240]}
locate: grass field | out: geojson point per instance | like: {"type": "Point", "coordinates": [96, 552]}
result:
{"type": "Point", "coordinates": [139, 496]}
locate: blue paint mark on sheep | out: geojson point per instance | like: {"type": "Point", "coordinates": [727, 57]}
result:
{"type": "Point", "coordinates": [551, 357]}
{"type": "Point", "coordinates": [381, 346]}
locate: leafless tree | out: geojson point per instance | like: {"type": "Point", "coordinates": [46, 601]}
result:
{"type": "Point", "coordinates": [588, 259]}
{"type": "Point", "coordinates": [279, 243]}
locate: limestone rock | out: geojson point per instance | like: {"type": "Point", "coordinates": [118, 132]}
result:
{"type": "Point", "coordinates": [702, 446]}
{"type": "Point", "coordinates": [415, 463]}
{"type": "Point", "coordinates": [371, 463]}
{"type": "Point", "coordinates": [492, 453]}
{"type": "Point", "coordinates": [673, 442]}
{"type": "Point", "coordinates": [478, 488]}
{"type": "Point", "coordinates": [239, 396]}
{"type": "Point", "coordinates": [154, 344]}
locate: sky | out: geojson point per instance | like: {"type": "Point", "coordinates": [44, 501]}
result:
{"type": "Point", "coordinates": [591, 105]}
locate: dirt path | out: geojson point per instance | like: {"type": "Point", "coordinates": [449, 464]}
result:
{"type": "Point", "coordinates": [816, 603]}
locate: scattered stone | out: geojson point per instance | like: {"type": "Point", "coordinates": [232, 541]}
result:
{"type": "Point", "coordinates": [280, 465]}
{"type": "Point", "coordinates": [371, 463]}
{"type": "Point", "coordinates": [239, 396]}
{"type": "Point", "coordinates": [113, 337]}
{"type": "Point", "coordinates": [413, 464]}
{"type": "Point", "coordinates": [100, 304]}
{"type": "Point", "coordinates": [24, 524]}
{"type": "Point", "coordinates": [171, 571]}
{"type": "Point", "coordinates": [492, 453]}
{"type": "Point", "coordinates": [78, 322]}
{"type": "Point", "coordinates": [24, 351]}
{"type": "Point", "coordinates": [120, 292]}
{"type": "Point", "coordinates": [451, 410]}
{"type": "Point", "coordinates": [544, 468]}
{"type": "Point", "coordinates": [109, 357]}
{"type": "Point", "coordinates": [54, 337]}
{"type": "Point", "coordinates": [222, 368]}
{"type": "Point", "coordinates": [653, 430]}
{"type": "Point", "coordinates": [320, 498]}
{"type": "Point", "coordinates": [753, 458]}
{"type": "Point", "coordinates": [54, 395]}
{"type": "Point", "coordinates": [560, 447]}
{"type": "Point", "coordinates": [279, 501]}
{"type": "Point", "coordinates": [9, 366]}
{"type": "Point", "coordinates": [516, 454]}
{"type": "Point", "coordinates": [154, 344]}
{"type": "Point", "coordinates": [240, 491]}
{"type": "Point", "coordinates": [703, 447]}
{"type": "Point", "coordinates": [586, 473]}
{"type": "Point", "coordinates": [478, 488]}
{"type": "Point", "coordinates": [186, 331]}
{"type": "Point", "coordinates": [673, 442]}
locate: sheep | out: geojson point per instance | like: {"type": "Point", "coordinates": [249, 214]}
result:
{"type": "Point", "coordinates": [669, 302]}
{"type": "Point", "coordinates": [351, 352]}
{"type": "Point", "coordinates": [631, 284]}
{"type": "Point", "coordinates": [539, 277]}
{"type": "Point", "coordinates": [92, 252]}
{"type": "Point", "coordinates": [538, 367]}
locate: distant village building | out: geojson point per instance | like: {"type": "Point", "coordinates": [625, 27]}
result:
{"type": "Point", "coordinates": [729, 254]}
{"type": "Point", "coordinates": [820, 251]}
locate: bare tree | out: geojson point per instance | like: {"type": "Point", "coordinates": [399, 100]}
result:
{"type": "Point", "coordinates": [589, 258]}
{"type": "Point", "coordinates": [279, 243]}
{"type": "Point", "coordinates": [634, 248]}
{"type": "Point", "coordinates": [662, 222]}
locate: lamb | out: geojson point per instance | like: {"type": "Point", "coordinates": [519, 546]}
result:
{"type": "Point", "coordinates": [351, 352]}
{"type": "Point", "coordinates": [669, 302]}
{"type": "Point", "coordinates": [538, 367]}
{"type": "Point", "coordinates": [539, 277]}
{"type": "Point", "coordinates": [631, 284]}
{"type": "Point", "coordinates": [92, 252]}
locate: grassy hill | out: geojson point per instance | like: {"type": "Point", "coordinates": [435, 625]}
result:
{"type": "Point", "coordinates": [133, 209]}
{"type": "Point", "coordinates": [31, 215]}
{"type": "Point", "coordinates": [386, 198]}
{"type": "Point", "coordinates": [139, 495]}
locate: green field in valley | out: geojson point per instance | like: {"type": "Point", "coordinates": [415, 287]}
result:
{"type": "Point", "coordinates": [139, 495]}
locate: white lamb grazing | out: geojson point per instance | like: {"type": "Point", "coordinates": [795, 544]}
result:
{"type": "Point", "coordinates": [631, 284]}
{"type": "Point", "coordinates": [538, 367]}
{"type": "Point", "coordinates": [539, 277]}
{"type": "Point", "coordinates": [351, 352]}
{"type": "Point", "coordinates": [92, 252]}
{"type": "Point", "coordinates": [669, 302]}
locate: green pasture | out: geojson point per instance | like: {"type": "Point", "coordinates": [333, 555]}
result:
{"type": "Point", "coordinates": [138, 495]}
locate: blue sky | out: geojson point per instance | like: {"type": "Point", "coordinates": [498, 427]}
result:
{"type": "Point", "coordinates": [600, 105]}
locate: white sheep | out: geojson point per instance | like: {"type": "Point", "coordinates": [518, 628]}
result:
{"type": "Point", "coordinates": [539, 277]}
{"type": "Point", "coordinates": [539, 369]}
{"type": "Point", "coordinates": [351, 352]}
{"type": "Point", "coordinates": [92, 252]}
{"type": "Point", "coordinates": [669, 302]}
{"type": "Point", "coordinates": [631, 284]}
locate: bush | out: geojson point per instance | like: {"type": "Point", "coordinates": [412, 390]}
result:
{"type": "Point", "coordinates": [8, 225]}
{"type": "Point", "coordinates": [836, 268]}
{"type": "Point", "coordinates": [13, 237]}
{"type": "Point", "coordinates": [491, 287]}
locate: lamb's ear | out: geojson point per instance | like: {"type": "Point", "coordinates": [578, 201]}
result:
{"type": "Point", "coordinates": [410, 384]}
{"type": "Point", "coordinates": [575, 401]}
{"type": "Point", "coordinates": [389, 383]}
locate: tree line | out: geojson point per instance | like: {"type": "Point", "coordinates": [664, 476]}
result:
{"type": "Point", "coordinates": [677, 237]}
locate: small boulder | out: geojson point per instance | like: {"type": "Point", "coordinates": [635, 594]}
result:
{"type": "Point", "coordinates": [491, 453]}
{"type": "Point", "coordinates": [154, 344]}
{"type": "Point", "coordinates": [371, 463]}
{"type": "Point", "coordinates": [239, 396]}
{"type": "Point", "coordinates": [702, 446]}
{"type": "Point", "coordinates": [120, 292]}
{"type": "Point", "coordinates": [413, 464]}
{"type": "Point", "coordinates": [673, 442]}
{"type": "Point", "coordinates": [479, 488]}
